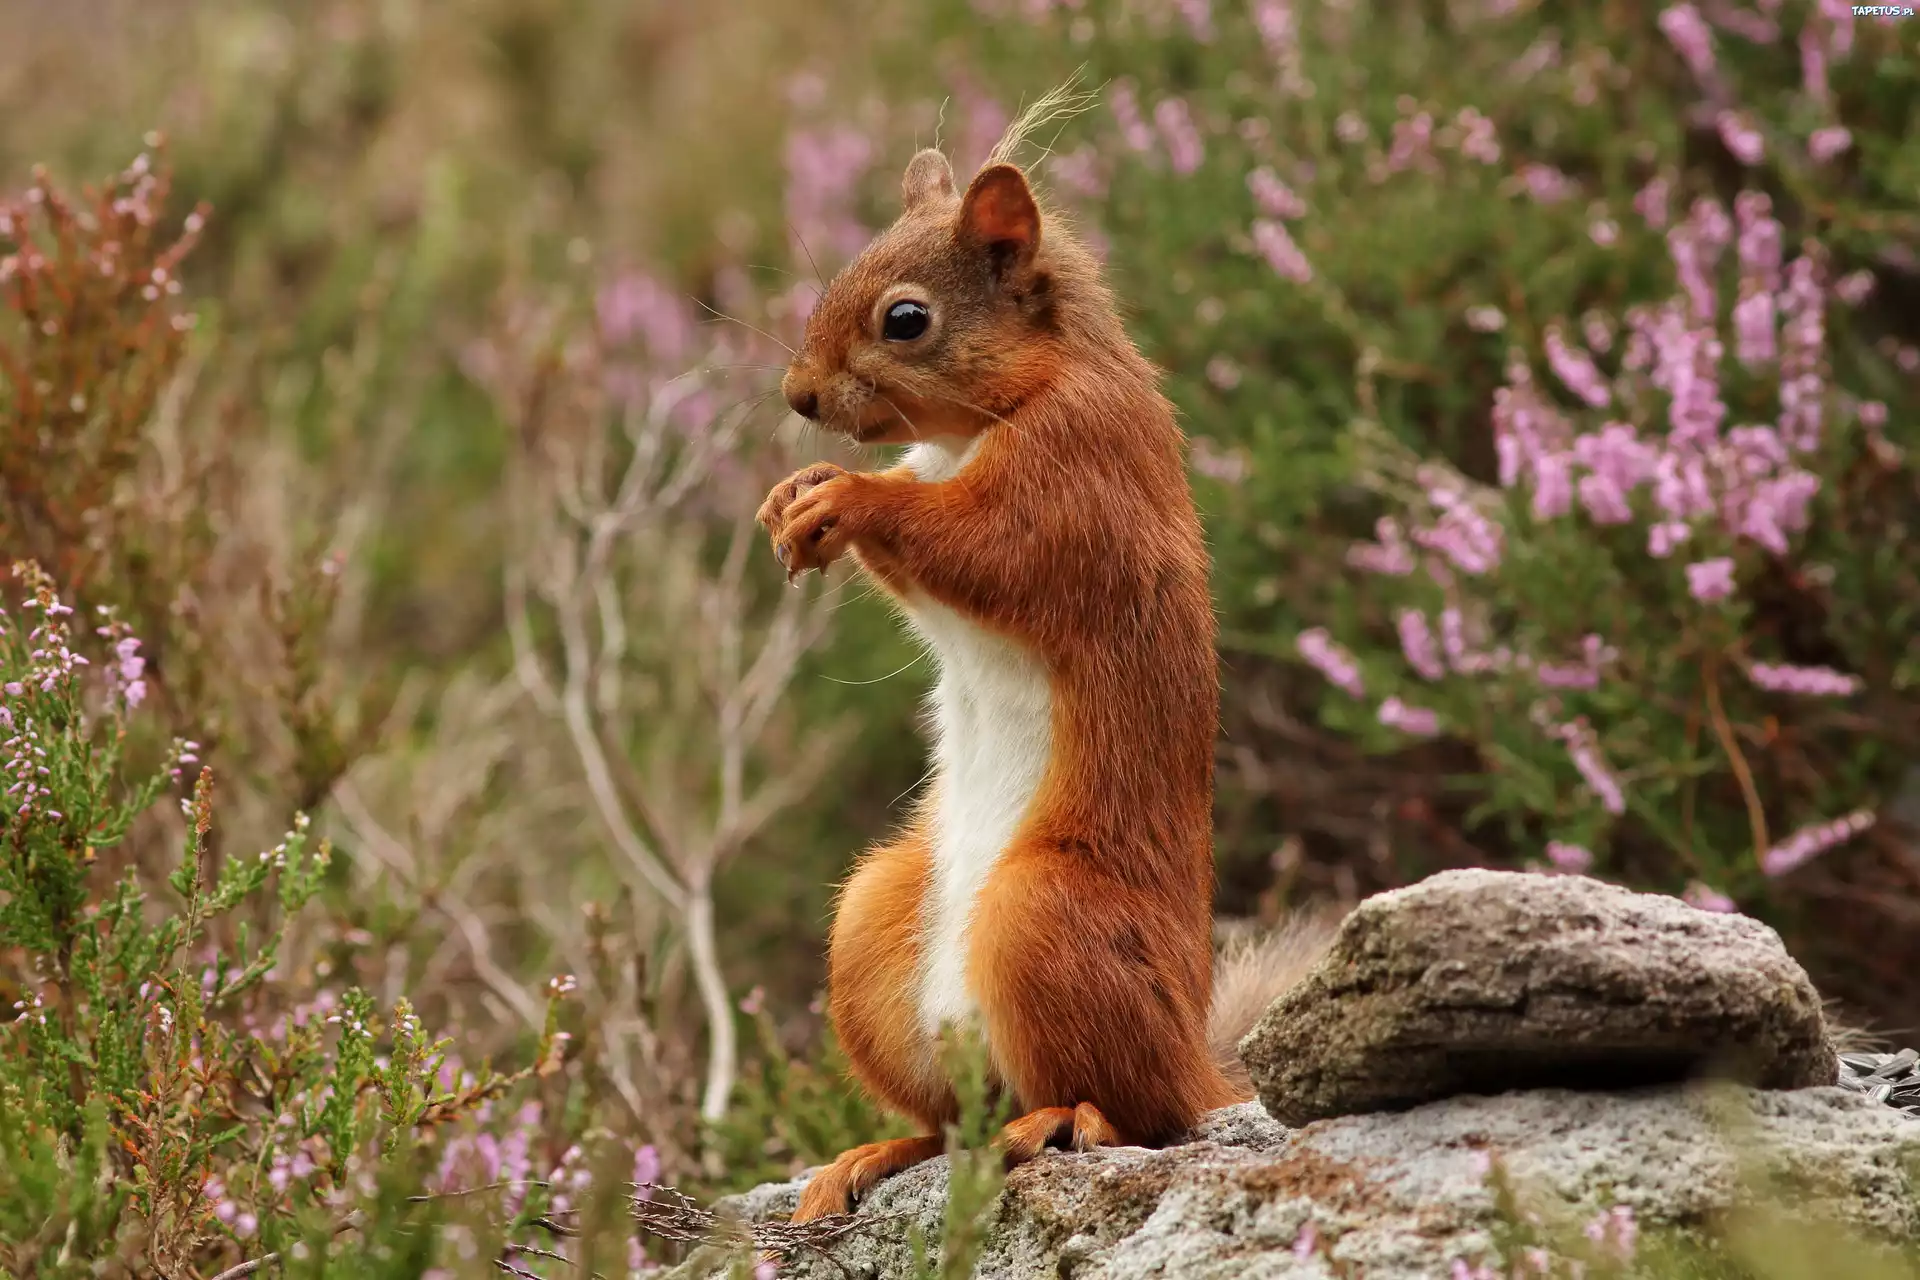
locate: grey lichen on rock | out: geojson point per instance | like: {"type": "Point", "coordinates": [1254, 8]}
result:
{"type": "Point", "coordinates": [1485, 981]}
{"type": "Point", "coordinates": [1397, 1196]}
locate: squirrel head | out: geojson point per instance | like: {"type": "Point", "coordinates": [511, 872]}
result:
{"type": "Point", "coordinates": [952, 317]}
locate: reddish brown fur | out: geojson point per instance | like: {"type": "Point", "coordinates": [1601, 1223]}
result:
{"type": "Point", "coordinates": [1074, 533]}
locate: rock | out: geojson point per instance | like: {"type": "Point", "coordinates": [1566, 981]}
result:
{"type": "Point", "coordinates": [1486, 981]}
{"type": "Point", "coordinates": [1396, 1196]}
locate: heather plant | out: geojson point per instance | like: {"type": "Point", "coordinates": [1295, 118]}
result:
{"type": "Point", "coordinates": [1550, 374]}
{"type": "Point", "coordinates": [173, 1096]}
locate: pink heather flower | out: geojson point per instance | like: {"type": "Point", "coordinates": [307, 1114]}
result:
{"type": "Point", "coordinates": [1711, 223]}
{"type": "Point", "coordinates": [1469, 540]}
{"type": "Point", "coordinates": [1228, 467]}
{"type": "Point", "coordinates": [1707, 898]}
{"type": "Point", "coordinates": [1710, 580]}
{"type": "Point", "coordinates": [1184, 148]}
{"type": "Point", "coordinates": [753, 1002]}
{"type": "Point", "coordinates": [1811, 841]}
{"type": "Point", "coordinates": [1223, 373]}
{"type": "Point", "coordinates": [1308, 1239]}
{"type": "Point", "coordinates": [1575, 369]}
{"type": "Point", "coordinates": [1198, 15]}
{"type": "Point", "coordinates": [1478, 140]}
{"type": "Point", "coordinates": [1486, 319]}
{"type": "Point", "coordinates": [1759, 240]}
{"type": "Point", "coordinates": [1650, 202]}
{"type": "Point", "coordinates": [1275, 198]}
{"type": "Point", "coordinates": [1134, 130]}
{"type": "Point", "coordinates": [1546, 184]}
{"type": "Point", "coordinates": [1605, 232]}
{"type": "Point", "coordinates": [1587, 759]}
{"type": "Point", "coordinates": [1552, 486]}
{"type": "Point", "coordinates": [1824, 144]}
{"type": "Point", "coordinates": [1615, 1230]}
{"type": "Point", "coordinates": [1079, 172]}
{"type": "Point", "coordinates": [1281, 253]}
{"type": "Point", "coordinates": [1813, 65]}
{"type": "Point", "coordinates": [1412, 143]}
{"type": "Point", "coordinates": [1753, 329]}
{"type": "Point", "coordinates": [1571, 858]}
{"type": "Point", "coordinates": [1839, 14]}
{"type": "Point", "coordinates": [646, 1166]}
{"type": "Point", "coordinates": [1390, 556]}
{"type": "Point", "coordinates": [1275, 22]}
{"type": "Point", "coordinates": [1332, 660]}
{"type": "Point", "coordinates": [1560, 675]}
{"type": "Point", "coordinates": [1683, 25]}
{"type": "Point", "coordinates": [1418, 721]}
{"type": "Point", "coordinates": [1690, 263]}
{"type": "Point", "coordinates": [1617, 462]}
{"type": "Point", "coordinates": [1854, 288]}
{"type": "Point", "coordinates": [1417, 643]}
{"type": "Point", "coordinates": [1776, 506]}
{"type": "Point", "coordinates": [1748, 24]}
{"type": "Point", "coordinates": [765, 1270]}
{"type": "Point", "coordinates": [1819, 682]}
{"type": "Point", "coordinates": [1742, 139]}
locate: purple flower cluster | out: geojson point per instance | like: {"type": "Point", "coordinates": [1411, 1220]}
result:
{"type": "Point", "coordinates": [1391, 555]}
{"type": "Point", "coordinates": [1185, 149]}
{"type": "Point", "coordinates": [1708, 898]}
{"type": "Point", "coordinates": [1615, 1231]}
{"type": "Point", "coordinates": [1270, 238]}
{"type": "Point", "coordinates": [1421, 722]}
{"type": "Point", "coordinates": [1332, 660]}
{"type": "Point", "coordinates": [1417, 643]}
{"type": "Point", "coordinates": [1818, 682]}
{"type": "Point", "coordinates": [1811, 841]}
{"type": "Point", "coordinates": [824, 169]}
{"type": "Point", "coordinates": [1747, 477]}
{"type": "Point", "coordinates": [480, 1159]}
{"type": "Point", "coordinates": [1275, 198]}
{"type": "Point", "coordinates": [635, 305]}
{"type": "Point", "coordinates": [1584, 750]}
{"type": "Point", "coordinates": [1135, 132]}
{"type": "Point", "coordinates": [1573, 859]}
{"type": "Point", "coordinates": [1469, 540]}
{"type": "Point", "coordinates": [1690, 34]}
{"type": "Point", "coordinates": [1576, 370]}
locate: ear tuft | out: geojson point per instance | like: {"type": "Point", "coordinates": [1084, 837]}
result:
{"type": "Point", "coordinates": [928, 177]}
{"type": "Point", "coordinates": [999, 213]}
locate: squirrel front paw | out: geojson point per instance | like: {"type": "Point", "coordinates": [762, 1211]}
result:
{"type": "Point", "coordinates": [804, 515]}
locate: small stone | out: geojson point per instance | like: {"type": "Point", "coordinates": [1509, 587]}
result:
{"type": "Point", "coordinates": [1483, 982]}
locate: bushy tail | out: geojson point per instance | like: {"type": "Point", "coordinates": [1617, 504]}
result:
{"type": "Point", "coordinates": [1251, 973]}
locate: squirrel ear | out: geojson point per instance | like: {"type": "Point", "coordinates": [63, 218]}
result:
{"type": "Point", "coordinates": [928, 176]}
{"type": "Point", "coordinates": [999, 214]}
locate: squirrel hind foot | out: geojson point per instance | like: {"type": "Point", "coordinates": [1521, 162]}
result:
{"type": "Point", "coordinates": [834, 1189]}
{"type": "Point", "coordinates": [1082, 1127]}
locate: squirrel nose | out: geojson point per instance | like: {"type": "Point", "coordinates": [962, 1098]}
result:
{"type": "Point", "coordinates": [804, 402]}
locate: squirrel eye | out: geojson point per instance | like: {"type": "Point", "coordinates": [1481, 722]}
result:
{"type": "Point", "coordinates": [905, 321]}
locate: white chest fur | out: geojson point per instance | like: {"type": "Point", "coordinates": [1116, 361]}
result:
{"type": "Point", "coordinates": [991, 713]}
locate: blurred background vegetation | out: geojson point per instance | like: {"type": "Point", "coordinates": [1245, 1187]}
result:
{"type": "Point", "coordinates": [433, 516]}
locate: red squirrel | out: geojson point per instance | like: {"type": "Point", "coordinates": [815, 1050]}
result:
{"type": "Point", "coordinates": [1053, 888]}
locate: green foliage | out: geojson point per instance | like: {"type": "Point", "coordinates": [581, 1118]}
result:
{"type": "Point", "coordinates": [792, 1112]}
{"type": "Point", "coordinates": [976, 1171]}
{"type": "Point", "coordinates": [149, 1119]}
